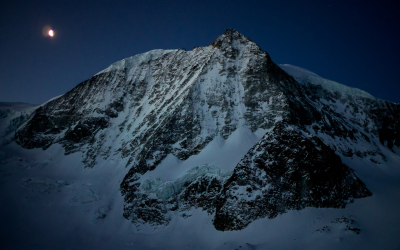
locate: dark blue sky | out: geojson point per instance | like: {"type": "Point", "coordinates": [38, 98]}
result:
{"type": "Point", "coordinates": [352, 42]}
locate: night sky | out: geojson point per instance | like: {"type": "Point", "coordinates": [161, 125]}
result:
{"type": "Point", "coordinates": [355, 43]}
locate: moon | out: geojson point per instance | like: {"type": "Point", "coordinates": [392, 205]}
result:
{"type": "Point", "coordinates": [47, 31]}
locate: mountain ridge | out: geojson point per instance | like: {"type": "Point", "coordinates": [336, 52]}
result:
{"type": "Point", "coordinates": [303, 76]}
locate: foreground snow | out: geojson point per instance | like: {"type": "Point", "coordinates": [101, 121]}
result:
{"type": "Point", "coordinates": [50, 201]}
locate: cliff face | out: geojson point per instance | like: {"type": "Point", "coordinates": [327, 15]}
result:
{"type": "Point", "coordinates": [176, 102]}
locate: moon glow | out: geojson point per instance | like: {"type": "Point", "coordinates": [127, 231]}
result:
{"type": "Point", "coordinates": [47, 31]}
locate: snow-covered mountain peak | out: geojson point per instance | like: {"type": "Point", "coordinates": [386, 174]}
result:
{"type": "Point", "coordinates": [168, 111]}
{"type": "Point", "coordinates": [232, 38]}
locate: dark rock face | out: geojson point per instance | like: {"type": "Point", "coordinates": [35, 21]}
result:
{"type": "Point", "coordinates": [176, 102]}
{"type": "Point", "coordinates": [285, 170]}
{"type": "Point", "coordinates": [154, 200]}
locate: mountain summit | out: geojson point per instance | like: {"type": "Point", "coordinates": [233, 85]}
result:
{"type": "Point", "coordinates": [221, 128]}
{"type": "Point", "coordinates": [230, 38]}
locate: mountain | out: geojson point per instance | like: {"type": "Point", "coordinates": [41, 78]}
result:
{"type": "Point", "coordinates": [15, 114]}
{"type": "Point", "coordinates": [220, 129]}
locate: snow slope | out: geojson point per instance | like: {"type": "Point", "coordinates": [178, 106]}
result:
{"type": "Point", "coordinates": [303, 75]}
{"type": "Point", "coordinates": [135, 60]}
{"type": "Point", "coordinates": [50, 201]}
